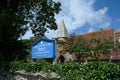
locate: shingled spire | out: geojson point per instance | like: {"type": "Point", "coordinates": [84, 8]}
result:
{"type": "Point", "coordinates": [62, 31]}
{"type": "Point", "coordinates": [61, 37]}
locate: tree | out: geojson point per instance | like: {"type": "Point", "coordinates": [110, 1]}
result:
{"type": "Point", "coordinates": [42, 13]}
{"type": "Point", "coordinates": [17, 16]}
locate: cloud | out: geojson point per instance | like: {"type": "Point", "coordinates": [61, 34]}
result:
{"type": "Point", "coordinates": [91, 29]}
{"type": "Point", "coordinates": [78, 13]}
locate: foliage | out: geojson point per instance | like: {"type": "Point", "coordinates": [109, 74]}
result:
{"type": "Point", "coordinates": [101, 71]}
{"type": "Point", "coordinates": [4, 66]}
{"type": "Point", "coordinates": [74, 71]}
{"type": "Point", "coordinates": [89, 71]}
{"type": "Point", "coordinates": [100, 46]}
{"type": "Point", "coordinates": [42, 13]}
{"type": "Point", "coordinates": [10, 50]}
{"type": "Point", "coordinates": [10, 30]}
{"type": "Point", "coordinates": [28, 67]}
{"type": "Point", "coordinates": [119, 45]}
{"type": "Point", "coordinates": [18, 16]}
{"type": "Point", "coordinates": [92, 47]}
{"type": "Point", "coordinates": [79, 46]}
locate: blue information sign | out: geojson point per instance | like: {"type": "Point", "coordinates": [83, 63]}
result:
{"type": "Point", "coordinates": [43, 48]}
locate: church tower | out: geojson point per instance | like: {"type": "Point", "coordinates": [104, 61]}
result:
{"type": "Point", "coordinates": [62, 34]}
{"type": "Point", "coordinates": [61, 38]}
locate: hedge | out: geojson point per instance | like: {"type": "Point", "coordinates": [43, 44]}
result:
{"type": "Point", "coordinates": [73, 71]}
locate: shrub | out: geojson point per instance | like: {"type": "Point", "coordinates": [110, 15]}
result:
{"type": "Point", "coordinates": [101, 71]}
{"type": "Point", "coordinates": [73, 71]}
{"type": "Point", "coordinates": [88, 71]}
{"type": "Point", "coordinates": [17, 65]}
{"type": "Point", "coordinates": [32, 66]}
{"type": "Point", "coordinates": [4, 66]}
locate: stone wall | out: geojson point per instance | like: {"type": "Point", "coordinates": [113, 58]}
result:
{"type": "Point", "coordinates": [21, 75]}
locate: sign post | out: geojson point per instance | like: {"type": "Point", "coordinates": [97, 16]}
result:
{"type": "Point", "coordinates": [43, 48]}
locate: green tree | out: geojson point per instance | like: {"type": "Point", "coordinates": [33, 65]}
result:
{"type": "Point", "coordinates": [17, 16]}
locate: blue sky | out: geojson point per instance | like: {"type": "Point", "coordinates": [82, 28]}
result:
{"type": "Point", "coordinates": [84, 16]}
{"type": "Point", "coordinates": [113, 11]}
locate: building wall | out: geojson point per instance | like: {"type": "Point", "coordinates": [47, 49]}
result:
{"type": "Point", "coordinates": [117, 36]}
{"type": "Point", "coordinates": [110, 35]}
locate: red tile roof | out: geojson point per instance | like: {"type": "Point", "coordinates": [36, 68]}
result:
{"type": "Point", "coordinates": [107, 34]}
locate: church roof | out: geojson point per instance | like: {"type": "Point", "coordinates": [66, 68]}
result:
{"type": "Point", "coordinates": [62, 31]}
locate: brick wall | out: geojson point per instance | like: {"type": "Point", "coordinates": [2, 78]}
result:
{"type": "Point", "coordinates": [108, 34]}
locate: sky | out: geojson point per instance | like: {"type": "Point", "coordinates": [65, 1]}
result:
{"type": "Point", "coordinates": [85, 16]}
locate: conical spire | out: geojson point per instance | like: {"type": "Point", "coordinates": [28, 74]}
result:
{"type": "Point", "coordinates": [62, 31]}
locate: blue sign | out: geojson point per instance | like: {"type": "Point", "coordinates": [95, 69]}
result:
{"type": "Point", "coordinates": [43, 48]}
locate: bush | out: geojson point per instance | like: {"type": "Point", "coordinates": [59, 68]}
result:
{"type": "Point", "coordinates": [101, 71]}
{"type": "Point", "coordinates": [17, 65]}
{"type": "Point", "coordinates": [73, 71]}
{"type": "Point", "coordinates": [89, 71]}
{"type": "Point", "coordinates": [36, 66]}
{"type": "Point", "coordinates": [4, 66]}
